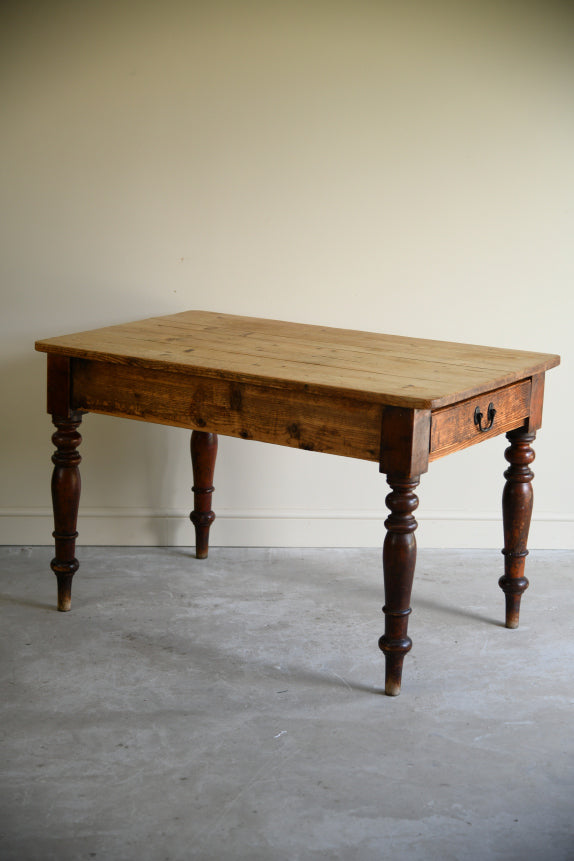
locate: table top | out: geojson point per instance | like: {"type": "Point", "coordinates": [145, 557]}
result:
{"type": "Point", "coordinates": [387, 369]}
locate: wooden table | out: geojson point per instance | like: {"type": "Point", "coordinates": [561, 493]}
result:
{"type": "Point", "coordinates": [399, 402]}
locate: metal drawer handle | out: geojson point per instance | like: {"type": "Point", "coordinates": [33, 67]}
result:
{"type": "Point", "coordinates": [490, 414]}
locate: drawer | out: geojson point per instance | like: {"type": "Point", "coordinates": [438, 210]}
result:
{"type": "Point", "coordinates": [454, 427]}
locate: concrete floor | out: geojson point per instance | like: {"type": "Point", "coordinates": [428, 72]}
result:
{"type": "Point", "coordinates": [231, 709]}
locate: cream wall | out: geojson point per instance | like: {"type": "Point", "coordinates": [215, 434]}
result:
{"type": "Point", "coordinates": [399, 167]}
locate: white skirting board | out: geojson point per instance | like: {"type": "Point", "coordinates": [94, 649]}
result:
{"type": "Point", "coordinates": [279, 528]}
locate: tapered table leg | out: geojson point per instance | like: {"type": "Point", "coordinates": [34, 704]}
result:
{"type": "Point", "coordinates": [517, 498]}
{"type": "Point", "coordinates": [203, 454]}
{"type": "Point", "coordinates": [66, 486]}
{"type": "Point", "coordinates": [399, 558]}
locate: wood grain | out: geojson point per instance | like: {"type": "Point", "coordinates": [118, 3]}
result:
{"type": "Point", "coordinates": [331, 424]}
{"type": "Point", "coordinates": [536, 402]}
{"type": "Point", "coordinates": [389, 369]}
{"type": "Point", "coordinates": [405, 441]}
{"type": "Point", "coordinates": [453, 427]}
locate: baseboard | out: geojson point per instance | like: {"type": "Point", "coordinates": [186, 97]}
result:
{"type": "Point", "coordinates": [279, 528]}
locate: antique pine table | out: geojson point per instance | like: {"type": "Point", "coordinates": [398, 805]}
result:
{"type": "Point", "coordinates": [399, 402]}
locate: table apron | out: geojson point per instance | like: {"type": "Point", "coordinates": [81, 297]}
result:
{"type": "Point", "coordinates": [327, 423]}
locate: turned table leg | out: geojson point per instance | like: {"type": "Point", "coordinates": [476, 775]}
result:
{"type": "Point", "coordinates": [399, 558]}
{"type": "Point", "coordinates": [203, 454]}
{"type": "Point", "coordinates": [517, 499]}
{"type": "Point", "coordinates": [66, 487]}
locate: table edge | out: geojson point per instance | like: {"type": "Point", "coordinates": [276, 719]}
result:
{"type": "Point", "coordinates": [409, 402]}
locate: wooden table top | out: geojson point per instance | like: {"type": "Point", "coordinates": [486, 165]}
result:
{"type": "Point", "coordinates": [387, 369]}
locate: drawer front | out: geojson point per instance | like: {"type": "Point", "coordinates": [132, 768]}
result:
{"type": "Point", "coordinates": [454, 427]}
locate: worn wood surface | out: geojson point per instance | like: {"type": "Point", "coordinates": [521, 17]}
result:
{"type": "Point", "coordinates": [404, 441]}
{"type": "Point", "coordinates": [388, 369]}
{"type": "Point", "coordinates": [534, 422]}
{"type": "Point", "coordinates": [398, 401]}
{"type": "Point", "coordinates": [453, 427]}
{"type": "Point", "coordinates": [332, 423]}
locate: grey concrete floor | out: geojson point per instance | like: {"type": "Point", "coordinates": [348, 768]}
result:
{"type": "Point", "coordinates": [232, 709]}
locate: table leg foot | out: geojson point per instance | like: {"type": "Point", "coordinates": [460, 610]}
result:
{"type": "Point", "coordinates": [66, 486]}
{"type": "Point", "coordinates": [399, 559]}
{"type": "Point", "coordinates": [517, 499]}
{"type": "Point", "coordinates": [203, 454]}
{"type": "Point", "coordinates": [64, 589]}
